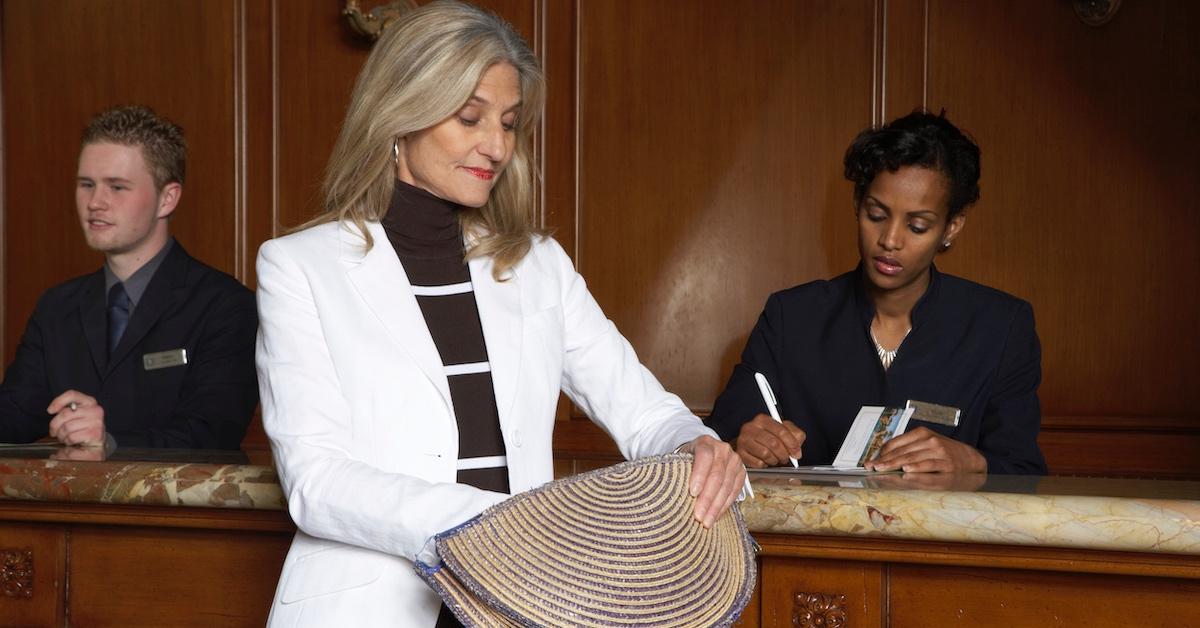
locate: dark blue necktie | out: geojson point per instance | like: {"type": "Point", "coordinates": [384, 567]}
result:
{"type": "Point", "coordinates": [118, 314]}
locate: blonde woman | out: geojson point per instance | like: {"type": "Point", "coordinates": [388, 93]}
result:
{"type": "Point", "coordinates": [415, 336]}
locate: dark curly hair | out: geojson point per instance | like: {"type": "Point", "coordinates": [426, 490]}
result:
{"type": "Point", "coordinates": [918, 139]}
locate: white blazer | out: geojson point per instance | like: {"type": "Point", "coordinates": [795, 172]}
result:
{"type": "Point", "coordinates": [356, 404]}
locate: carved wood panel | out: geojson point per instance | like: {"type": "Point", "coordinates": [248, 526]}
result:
{"type": "Point", "coordinates": [16, 572]}
{"type": "Point", "coordinates": [819, 610]}
{"type": "Point", "coordinates": [32, 574]}
{"type": "Point", "coordinates": [810, 593]}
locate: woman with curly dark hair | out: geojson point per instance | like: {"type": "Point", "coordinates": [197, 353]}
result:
{"type": "Point", "coordinates": [895, 329]}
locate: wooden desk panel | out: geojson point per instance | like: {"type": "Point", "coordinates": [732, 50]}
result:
{"type": "Point", "coordinates": [922, 595]}
{"type": "Point", "coordinates": [125, 577]}
{"type": "Point", "coordinates": [107, 565]}
{"type": "Point", "coordinates": [834, 581]}
{"type": "Point", "coordinates": [802, 592]}
{"type": "Point", "coordinates": [32, 574]}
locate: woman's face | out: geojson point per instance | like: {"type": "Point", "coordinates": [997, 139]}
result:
{"type": "Point", "coordinates": [461, 158]}
{"type": "Point", "coordinates": [901, 224]}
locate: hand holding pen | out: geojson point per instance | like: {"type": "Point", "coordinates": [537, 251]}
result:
{"type": "Point", "coordinates": [767, 440]}
{"type": "Point", "coordinates": [768, 396]}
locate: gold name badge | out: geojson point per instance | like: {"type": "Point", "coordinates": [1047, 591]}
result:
{"type": "Point", "coordinates": [164, 359]}
{"type": "Point", "coordinates": [933, 413]}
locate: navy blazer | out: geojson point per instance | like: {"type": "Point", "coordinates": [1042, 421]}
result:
{"type": "Point", "coordinates": [205, 404]}
{"type": "Point", "coordinates": [971, 347]}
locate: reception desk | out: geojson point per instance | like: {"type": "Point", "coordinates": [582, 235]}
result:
{"type": "Point", "coordinates": [196, 539]}
{"type": "Point", "coordinates": [937, 550]}
{"type": "Point", "coordinates": [200, 543]}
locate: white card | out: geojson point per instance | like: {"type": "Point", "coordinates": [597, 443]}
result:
{"type": "Point", "coordinates": [873, 427]}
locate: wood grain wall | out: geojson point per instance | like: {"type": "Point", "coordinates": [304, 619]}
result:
{"type": "Point", "coordinates": [691, 158]}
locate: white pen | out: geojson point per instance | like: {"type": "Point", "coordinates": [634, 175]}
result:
{"type": "Point", "coordinates": [747, 492]}
{"type": "Point", "coordinates": [768, 396]}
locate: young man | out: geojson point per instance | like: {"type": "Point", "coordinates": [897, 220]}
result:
{"type": "Point", "coordinates": [153, 350]}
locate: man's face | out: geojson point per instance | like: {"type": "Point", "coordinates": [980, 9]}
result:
{"type": "Point", "coordinates": [120, 210]}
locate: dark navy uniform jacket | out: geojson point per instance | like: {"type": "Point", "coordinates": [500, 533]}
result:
{"type": "Point", "coordinates": [971, 347]}
{"type": "Point", "coordinates": [206, 403]}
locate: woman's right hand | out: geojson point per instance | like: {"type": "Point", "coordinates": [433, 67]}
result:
{"type": "Point", "coordinates": [762, 442]}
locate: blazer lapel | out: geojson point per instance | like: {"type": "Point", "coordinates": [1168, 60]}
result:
{"type": "Point", "coordinates": [93, 315]}
{"type": "Point", "coordinates": [500, 315]}
{"type": "Point", "coordinates": [380, 280]}
{"type": "Point", "coordinates": [166, 287]}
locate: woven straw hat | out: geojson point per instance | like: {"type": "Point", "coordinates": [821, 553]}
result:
{"type": "Point", "coordinates": [613, 547]}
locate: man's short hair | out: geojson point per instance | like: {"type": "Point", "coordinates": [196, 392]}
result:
{"type": "Point", "coordinates": [161, 140]}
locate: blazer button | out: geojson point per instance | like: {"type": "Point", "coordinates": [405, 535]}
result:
{"type": "Point", "coordinates": [516, 438]}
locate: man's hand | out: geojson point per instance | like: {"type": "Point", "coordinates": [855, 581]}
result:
{"type": "Point", "coordinates": [717, 477]}
{"type": "Point", "coordinates": [78, 419]}
{"type": "Point", "coordinates": [764, 443]}
{"type": "Point", "coordinates": [923, 450]}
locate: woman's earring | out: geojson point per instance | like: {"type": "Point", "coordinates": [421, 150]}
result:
{"type": "Point", "coordinates": [396, 151]}
{"type": "Point", "coordinates": [946, 245]}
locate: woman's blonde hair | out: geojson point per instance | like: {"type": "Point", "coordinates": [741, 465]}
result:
{"type": "Point", "coordinates": [423, 69]}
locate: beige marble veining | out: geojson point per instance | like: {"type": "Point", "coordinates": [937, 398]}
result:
{"type": "Point", "coordinates": [1093, 522]}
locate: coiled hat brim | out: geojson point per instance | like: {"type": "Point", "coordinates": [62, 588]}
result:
{"type": "Point", "coordinates": [618, 546]}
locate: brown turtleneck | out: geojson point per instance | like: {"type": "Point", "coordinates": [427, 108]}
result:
{"type": "Point", "coordinates": [425, 233]}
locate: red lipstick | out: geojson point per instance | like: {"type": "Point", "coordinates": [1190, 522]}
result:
{"type": "Point", "coordinates": [482, 173]}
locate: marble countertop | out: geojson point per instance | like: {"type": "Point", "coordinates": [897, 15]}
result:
{"type": "Point", "coordinates": [141, 477]}
{"type": "Point", "coordinates": [1093, 513]}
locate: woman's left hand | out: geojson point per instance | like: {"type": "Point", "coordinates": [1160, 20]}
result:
{"type": "Point", "coordinates": [717, 477]}
{"type": "Point", "coordinates": [924, 450]}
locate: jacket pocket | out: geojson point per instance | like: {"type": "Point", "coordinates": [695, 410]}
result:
{"type": "Point", "coordinates": [332, 570]}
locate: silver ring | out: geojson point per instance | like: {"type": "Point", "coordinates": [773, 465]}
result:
{"type": "Point", "coordinates": [73, 406]}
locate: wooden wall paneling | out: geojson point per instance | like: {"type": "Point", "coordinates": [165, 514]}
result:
{"type": "Point", "coordinates": [1090, 199]}
{"type": "Point", "coordinates": [705, 185]}
{"type": "Point", "coordinates": [66, 61]}
{"type": "Point", "coordinates": [710, 143]}
{"type": "Point", "coordinates": [559, 203]}
{"type": "Point", "coordinates": [256, 105]}
{"type": "Point", "coordinates": [1003, 598]}
{"type": "Point", "coordinates": [181, 565]}
{"type": "Point", "coordinates": [32, 574]}
{"type": "Point", "coordinates": [559, 149]}
{"type": "Point", "coordinates": [317, 59]}
{"type": "Point", "coordinates": [255, 94]}
{"type": "Point", "coordinates": [1122, 446]}
{"type": "Point", "coordinates": [902, 67]}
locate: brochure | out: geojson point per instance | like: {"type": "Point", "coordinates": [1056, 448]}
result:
{"type": "Point", "coordinates": [874, 426]}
